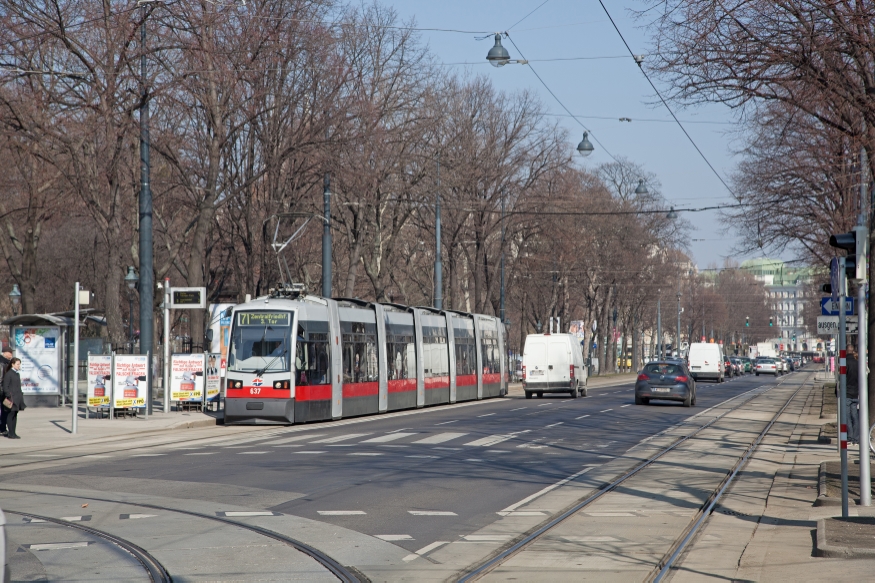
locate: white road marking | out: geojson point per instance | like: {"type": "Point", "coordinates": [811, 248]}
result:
{"type": "Point", "coordinates": [56, 546]}
{"type": "Point", "coordinates": [621, 406]}
{"type": "Point", "coordinates": [545, 404]}
{"type": "Point", "coordinates": [291, 445]}
{"type": "Point", "coordinates": [473, 460]}
{"type": "Point", "coordinates": [611, 514]}
{"type": "Point", "coordinates": [554, 424]}
{"type": "Point", "coordinates": [606, 410]}
{"type": "Point", "coordinates": [447, 422]}
{"type": "Point", "coordinates": [45, 455]}
{"type": "Point", "coordinates": [397, 430]}
{"type": "Point", "coordinates": [486, 537]}
{"type": "Point", "coordinates": [543, 491]}
{"type": "Point", "coordinates": [431, 513]}
{"type": "Point", "coordinates": [341, 512]}
{"type": "Point", "coordinates": [591, 539]}
{"type": "Point", "coordinates": [76, 518]}
{"type": "Point", "coordinates": [448, 448]}
{"type": "Point", "coordinates": [494, 439]}
{"type": "Point", "coordinates": [135, 516]}
{"type": "Point", "coordinates": [394, 445]}
{"type": "Point", "coordinates": [522, 513]}
{"type": "Point", "coordinates": [434, 457]}
{"type": "Point", "coordinates": [363, 453]}
{"type": "Point", "coordinates": [581, 417]}
{"type": "Point", "coordinates": [487, 415]}
{"type": "Point", "coordinates": [440, 438]}
{"type": "Point", "coordinates": [338, 438]}
{"type": "Point", "coordinates": [499, 451]}
{"type": "Point", "coordinates": [606, 456]}
{"type": "Point", "coordinates": [425, 550]}
{"type": "Point", "coordinates": [249, 513]}
{"type": "Point", "coordinates": [518, 409]}
{"type": "Point", "coordinates": [251, 452]}
{"type": "Point", "coordinates": [147, 454]}
{"type": "Point", "coordinates": [202, 453]}
{"type": "Point", "coordinates": [388, 437]}
{"type": "Point", "coordinates": [30, 520]}
{"type": "Point", "coordinates": [96, 456]}
{"type": "Point", "coordinates": [308, 452]}
{"type": "Point", "coordinates": [341, 445]}
{"type": "Point", "coordinates": [391, 537]}
{"type": "Point", "coordinates": [295, 438]}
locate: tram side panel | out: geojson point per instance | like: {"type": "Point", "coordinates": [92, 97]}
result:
{"type": "Point", "coordinates": [466, 358]}
{"type": "Point", "coordinates": [361, 387]}
{"type": "Point", "coordinates": [312, 396]}
{"type": "Point", "coordinates": [401, 356]}
{"type": "Point", "coordinates": [436, 359]}
{"type": "Point", "coordinates": [490, 357]}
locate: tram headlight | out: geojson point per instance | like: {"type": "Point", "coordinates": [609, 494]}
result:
{"type": "Point", "coordinates": [281, 384]}
{"type": "Point", "coordinates": [236, 384]}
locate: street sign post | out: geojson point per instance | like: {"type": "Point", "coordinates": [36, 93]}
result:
{"type": "Point", "coordinates": [830, 324]}
{"type": "Point", "coordinates": [830, 307]}
{"type": "Point", "coordinates": [834, 278]}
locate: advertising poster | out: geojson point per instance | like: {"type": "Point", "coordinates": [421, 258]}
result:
{"type": "Point", "coordinates": [187, 377]}
{"type": "Point", "coordinates": [213, 377]}
{"type": "Point", "coordinates": [221, 327]}
{"type": "Point", "coordinates": [99, 380]}
{"type": "Point", "coordinates": [39, 351]}
{"type": "Point", "coordinates": [129, 381]}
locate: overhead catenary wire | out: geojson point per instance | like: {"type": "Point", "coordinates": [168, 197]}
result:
{"type": "Point", "coordinates": [665, 103]}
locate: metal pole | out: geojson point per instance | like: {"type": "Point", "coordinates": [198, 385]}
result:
{"type": "Point", "coordinates": [679, 326]}
{"type": "Point", "coordinates": [131, 319]}
{"type": "Point", "coordinates": [501, 295]}
{"type": "Point", "coordinates": [843, 388]}
{"type": "Point", "coordinates": [863, 384]}
{"type": "Point", "coordinates": [326, 237]}
{"type": "Point", "coordinates": [659, 328]}
{"type": "Point", "coordinates": [76, 360]}
{"type": "Point", "coordinates": [438, 266]}
{"type": "Point", "coordinates": [166, 376]}
{"type": "Point", "coordinates": [147, 283]}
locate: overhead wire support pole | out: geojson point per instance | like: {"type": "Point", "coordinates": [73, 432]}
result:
{"type": "Point", "coordinates": [501, 295]}
{"type": "Point", "coordinates": [326, 237]}
{"type": "Point", "coordinates": [843, 387]}
{"type": "Point", "coordinates": [438, 266]}
{"type": "Point", "coordinates": [862, 335]}
{"type": "Point", "coordinates": [147, 283]}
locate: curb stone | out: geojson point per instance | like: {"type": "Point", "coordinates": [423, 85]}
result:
{"type": "Point", "coordinates": [825, 549]}
{"type": "Point", "coordinates": [822, 498]}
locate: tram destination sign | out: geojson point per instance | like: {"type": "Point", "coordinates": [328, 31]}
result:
{"type": "Point", "coordinates": [188, 298]}
{"type": "Point", "coordinates": [262, 319]}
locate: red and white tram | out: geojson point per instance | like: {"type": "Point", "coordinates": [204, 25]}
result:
{"type": "Point", "coordinates": [295, 358]}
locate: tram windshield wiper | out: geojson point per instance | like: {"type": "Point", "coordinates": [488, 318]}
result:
{"type": "Point", "coordinates": [261, 371]}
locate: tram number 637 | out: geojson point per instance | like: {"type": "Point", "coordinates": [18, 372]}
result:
{"type": "Point", "coordinates": [254, 391]}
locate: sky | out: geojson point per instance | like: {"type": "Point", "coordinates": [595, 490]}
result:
{"type": "Point", "coordinates": [599, 91]}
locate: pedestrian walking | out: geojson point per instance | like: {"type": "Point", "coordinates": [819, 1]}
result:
{"type": "Point", "coordinates": [12, 397]}
{"type": "Point", "coordinates": [852, 392]}
{"type": "Point", "coordinates": [5, 359]}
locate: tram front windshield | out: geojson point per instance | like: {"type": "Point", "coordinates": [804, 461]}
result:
{"type": "Point", "coordinates": [261, 342]}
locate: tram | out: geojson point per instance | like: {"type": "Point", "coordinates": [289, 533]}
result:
{"type": "Point", "coordinates": [296, 358]}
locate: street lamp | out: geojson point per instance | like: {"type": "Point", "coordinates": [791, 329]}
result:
{"type": "Point", "coordinates": [671, 214]}
{"type": "Point", "coordinates": [679, 326]}
{"type": "Point", "coordinates": [15, 297]}
{"type": "Point", "coordinates": [584, 148]}
{"type": "Point", "coordinates": [498, 55]}
{"type": "Point", "coordinates": [642, 188]}
{"type": "Point", "coordinates": [131, 279]}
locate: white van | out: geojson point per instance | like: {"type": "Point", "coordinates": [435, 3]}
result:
{"type": "Point", "coordinates": [553, 363]}
{"type": "Point", "coordinates": [706, 361]}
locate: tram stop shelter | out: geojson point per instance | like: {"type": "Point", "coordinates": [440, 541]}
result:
{"type": "Point", "coordinates": [44, 343]}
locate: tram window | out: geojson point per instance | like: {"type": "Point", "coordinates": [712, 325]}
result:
{"type": "Point", "coordinates": [466, 350]}
{"type": "Point", "coordinates": [312, 355]}
{"type": "Point", "coordinates": [359, 348]}
{"type": "Point", "coordinates": [401, 350]}
{"type": "Point", "coordinates": [260, 347]}
{"type": "Point", "coordinates": [489, 350]}
{"type": "Point", "coordinates": [436, 359]}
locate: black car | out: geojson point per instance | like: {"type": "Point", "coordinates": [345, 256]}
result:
{"type": "Point", "coordinates": [667, 380]}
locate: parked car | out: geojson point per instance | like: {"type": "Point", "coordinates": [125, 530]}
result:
{"type": "Point", "coordinates": [553, 363]}
{"type": "Point", "coordinates": [765, 365]}
{"type": "Point", "coordinates": [728, 367]}
{"type": "Point", "coordinates": [665, 380]}
{"type": "Point", "coordinates": [748, 364]}
{"type": "Point", "coordinates": [706, 361]}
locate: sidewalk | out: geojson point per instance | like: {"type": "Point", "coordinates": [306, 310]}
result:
{"type": "Point", "coordinates": [771, 526]}
{"type": "Point", "coordinates": [45, 427]}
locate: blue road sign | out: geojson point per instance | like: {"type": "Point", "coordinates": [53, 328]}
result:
{"type": "Point", "coordinates": [830, 307]}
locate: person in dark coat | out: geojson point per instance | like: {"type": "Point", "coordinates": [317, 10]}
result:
{"type": "Point", "coordinates": [12, 391]}
{"type": "Point", "coordinates": [5, 359]}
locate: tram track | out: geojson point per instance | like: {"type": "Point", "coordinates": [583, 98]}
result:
{"type": "Point", "coordinates": [665, 564]}
{"type": "Point", "coordinates": [154, 569]}
{"type": "Point", "coordinates": [152, 565]}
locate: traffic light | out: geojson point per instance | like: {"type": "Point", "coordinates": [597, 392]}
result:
{"type": "Point", "coordinates": [747, 320]}
{"type": "Point", "coordinates": [856, 243]}
{"type": "Point", "coordinates": [771, 321]}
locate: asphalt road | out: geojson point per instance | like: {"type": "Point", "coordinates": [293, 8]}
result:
{"type": "Point", "coordinates": [434, 475]}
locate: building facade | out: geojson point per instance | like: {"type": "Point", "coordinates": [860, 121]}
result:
{"type": "Point", "coordinates": [786, 291]}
